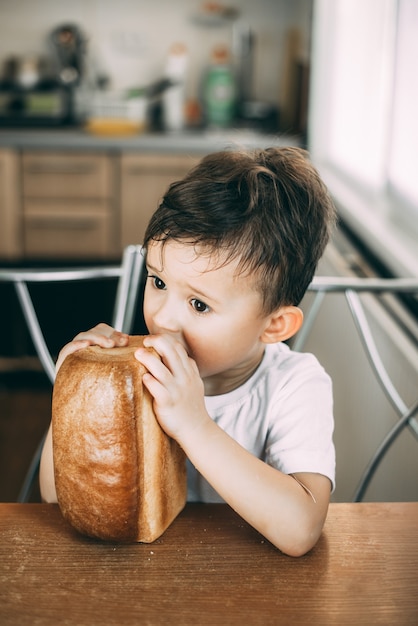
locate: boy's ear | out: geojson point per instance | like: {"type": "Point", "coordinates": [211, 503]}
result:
{"type": "Point", "coordinates": [282, 324]}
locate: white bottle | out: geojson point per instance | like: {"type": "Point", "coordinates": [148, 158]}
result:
{"type": "Point", "coordinates": [174, 97]}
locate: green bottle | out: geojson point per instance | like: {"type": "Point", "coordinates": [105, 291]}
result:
{"type": "Point", "coordinates": [219, 90]}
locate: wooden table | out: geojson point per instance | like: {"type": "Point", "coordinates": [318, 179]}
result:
{"type": "Point", "coordinates": [210, 567]}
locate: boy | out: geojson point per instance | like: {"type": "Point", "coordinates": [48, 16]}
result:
{"type": "Point", "coordinates": [230, 252]}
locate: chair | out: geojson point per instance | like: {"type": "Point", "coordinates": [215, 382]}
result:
{"type": "Point", "coordinates": [128, 275]}
{"type": "Point", "coordinates": [352, 288]}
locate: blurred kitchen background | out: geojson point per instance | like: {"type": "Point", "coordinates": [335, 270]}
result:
{"type": "Point", "coordinates": [103, 104]}
{"type": "Point", "coordinates": [59, 55]}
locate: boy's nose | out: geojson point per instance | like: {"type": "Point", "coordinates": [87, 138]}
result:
{"type": "Point", "coordinates": [166, 320]}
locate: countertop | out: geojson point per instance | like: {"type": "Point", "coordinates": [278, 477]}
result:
{"type": "Point", "coordinates": [190, 142]}
{"type": "Point", "coordinates": [210, 567]}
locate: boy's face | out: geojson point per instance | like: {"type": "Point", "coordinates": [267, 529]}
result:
{"type": "Point", "coordinates": [214, 313]}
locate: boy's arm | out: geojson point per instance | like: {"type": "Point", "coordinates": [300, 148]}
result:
{"type": "Point", "coordinates": [101, 335]}
{"type": "Point", "coordinates": [289, 514]}
{"type": "Point", "coordinates": [46, 471]}
{"type": "Point", "coordinates": [289, 511]}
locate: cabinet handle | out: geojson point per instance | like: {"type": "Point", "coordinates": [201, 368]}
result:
{"type": "Point", "coordinates": [134, 171]}
{"type": "Point", "coordinates": [57, 223]}
{"type": "Point", "coordinates": [61, 168]}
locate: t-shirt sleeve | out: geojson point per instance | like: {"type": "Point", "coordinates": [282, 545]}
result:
{"type": "Point", "coordinates": [301, 422]}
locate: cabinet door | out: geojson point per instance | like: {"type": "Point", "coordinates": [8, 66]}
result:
{"type": "Point", "coordinates": [68, 232]}
{"type": "Point", "coordinates": [69, 205]}
{"type": "Point", "coordinates": [144, 180]}
{"type": "Point", "coordinates": [10, 215]}
{"type": "Point", "coordinates": [67, 175]}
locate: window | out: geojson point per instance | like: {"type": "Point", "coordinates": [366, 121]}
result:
{"type": "Point", "coordinates": [403, 161]}
{"type": "Point", "coordinates": [363, 124]}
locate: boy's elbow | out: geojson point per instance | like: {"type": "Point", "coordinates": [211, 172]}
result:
{"type": "Point", "coordinates": [299, 540]}
{"type": "Point", "coordinates": [297, 549]}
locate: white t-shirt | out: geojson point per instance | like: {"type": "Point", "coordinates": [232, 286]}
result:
{"type": "Point", "coordinates": [283, 415]}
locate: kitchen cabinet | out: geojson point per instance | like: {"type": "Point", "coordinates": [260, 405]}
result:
{"type": "Point", "coordinates": [69, 205]}
{"type": "Point", "coordinates": [144, 178]}
{"type": "Point", "coordinates": [72, 196]}
{"type": "Point", "coordinates": [10, 217]}
{"type": "Point", "coordinates": [65, 205]}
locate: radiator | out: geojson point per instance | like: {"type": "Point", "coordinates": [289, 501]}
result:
{"type": "Point", "coordinates": [363, 414]}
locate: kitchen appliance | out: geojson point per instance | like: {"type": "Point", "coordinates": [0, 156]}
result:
{"type": "Point", "coordinates": [68, 46]}
{"type": "Point", "coordinates": [253, 112]}
{"type": "Point", "coordinates": [40, 92]}
{"type": "Point", "coordinates": [36, 107]}
{"type": "Point", "coordinates": [30, 95]}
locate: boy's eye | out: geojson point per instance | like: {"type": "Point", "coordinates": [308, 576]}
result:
{"type": "Point", "coordinates": [158, 283]}
{"type": "Point", "coordinates": [199, 306]}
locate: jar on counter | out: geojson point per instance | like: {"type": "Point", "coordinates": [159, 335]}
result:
{"type": "Point", "coordinates": [219, 89]}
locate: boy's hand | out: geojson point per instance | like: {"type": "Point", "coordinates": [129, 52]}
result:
{"type": "Point", "coordinates": [175, 384]}
{"type": "Point", "coordinates": [101, 335]}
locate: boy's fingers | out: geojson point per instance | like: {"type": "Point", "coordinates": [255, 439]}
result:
{"type": "Point", "coordinates": [170, 350]}
{"type": "Point", "coordinates": [104, 336]}
{"type": "Point", "coordinates": [101, 335]}
{"type": "Point", "coordinates": [69, 349]}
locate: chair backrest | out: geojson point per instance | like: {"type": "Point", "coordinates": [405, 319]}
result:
{"type": "Point", "coordinates": [128, 275]}
{"type": "Point", "coordinates": [352, 288]}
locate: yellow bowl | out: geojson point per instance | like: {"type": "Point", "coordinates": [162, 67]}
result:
{"type": "Point", "coordinates": [113, 126]}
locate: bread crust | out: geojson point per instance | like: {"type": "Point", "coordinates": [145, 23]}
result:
{"type": "Point", "coordinates": [118, 476]}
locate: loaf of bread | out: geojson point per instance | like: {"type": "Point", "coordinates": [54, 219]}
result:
{"type": "Point", "coordinates": [118, 476]}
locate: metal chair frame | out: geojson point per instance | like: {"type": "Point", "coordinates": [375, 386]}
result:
{"type": "Point", "coordinates": [351, 288]}
{"type": "Point", "coordinates": [128, 273]}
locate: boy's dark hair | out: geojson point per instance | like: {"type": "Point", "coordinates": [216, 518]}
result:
{"type": "Point", "coordinates": [267, 208]}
